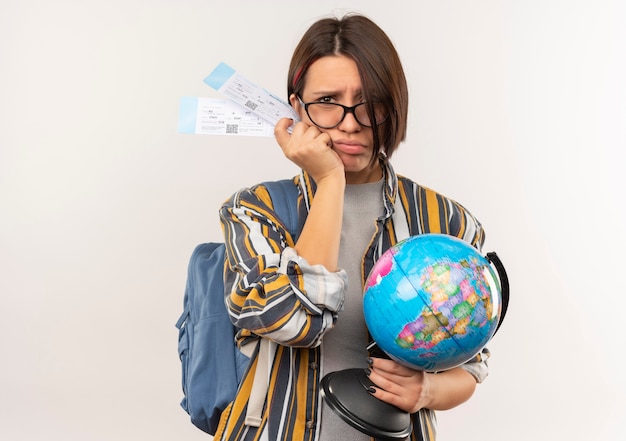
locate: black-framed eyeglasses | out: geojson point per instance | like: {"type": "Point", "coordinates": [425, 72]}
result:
{"type": "Point", "coordinates": [330, 115]}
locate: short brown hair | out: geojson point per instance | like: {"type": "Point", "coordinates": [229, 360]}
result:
{"type": "Point", "coordinates": [380, 69]}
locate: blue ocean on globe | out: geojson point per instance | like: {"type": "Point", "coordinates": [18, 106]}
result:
{"type": "Point", "coordinates": [432, 302]}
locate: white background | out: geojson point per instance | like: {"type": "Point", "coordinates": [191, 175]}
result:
{"type": "Point", "coordinates": [518, 111]}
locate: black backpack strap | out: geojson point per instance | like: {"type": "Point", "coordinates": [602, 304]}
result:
{"type": "Point", "coordinates": [284, 194]}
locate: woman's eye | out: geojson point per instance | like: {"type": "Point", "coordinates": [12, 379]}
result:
{"type": "Point", "coordinates": [326, 99]}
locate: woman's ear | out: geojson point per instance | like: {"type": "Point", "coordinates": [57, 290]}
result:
{"type": "Point", "coordinates": [295, 103]}
{"type": "Point", "coordinates": [297, 106]}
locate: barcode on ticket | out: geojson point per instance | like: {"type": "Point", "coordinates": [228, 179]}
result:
{"type": "Point", "coordinates": [251, 105]}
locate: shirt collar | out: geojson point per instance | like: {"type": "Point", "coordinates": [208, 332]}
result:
{"type": "Point", "coordinates": [390, 189]}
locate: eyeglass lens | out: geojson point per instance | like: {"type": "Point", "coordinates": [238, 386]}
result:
{"type": "Point", "coordinates": [329, 115]}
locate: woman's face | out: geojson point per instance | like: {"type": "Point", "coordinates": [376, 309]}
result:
{"type": "Point", "coordinates": [335, 79]}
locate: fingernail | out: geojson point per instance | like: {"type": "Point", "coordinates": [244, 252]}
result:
{"type": "Point", "coordinates": [371, 390]}
{"type": "Point", "coordinates": [368, 371]}
{"type": "Point", "coordinates": [370, 361]}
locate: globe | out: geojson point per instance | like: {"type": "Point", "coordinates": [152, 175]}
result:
{"type": "Point", "coordinates": [432, 302]}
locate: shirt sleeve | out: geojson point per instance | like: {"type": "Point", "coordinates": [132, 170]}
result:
{"type": "Point", "coordinates": [464, 225]}
{"type": "Point", "coordinates": [477, 366]}
{"type": "Point", "coordinates": [271, 291]}
{"type": "Point", "coordinates": [324, 289]}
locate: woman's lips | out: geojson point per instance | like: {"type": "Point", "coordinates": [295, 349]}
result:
{"type": "Point", "coordinates": [349, 147]}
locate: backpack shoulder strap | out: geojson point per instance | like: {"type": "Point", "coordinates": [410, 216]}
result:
{"type": "Point", "coordinates": [284, 194]}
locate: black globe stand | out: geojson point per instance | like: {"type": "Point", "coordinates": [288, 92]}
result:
{"type": "Point", "coordinates": [346, 393]}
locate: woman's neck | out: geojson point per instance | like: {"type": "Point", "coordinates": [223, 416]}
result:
{"type": "Point", "coordinates": [372, 174]}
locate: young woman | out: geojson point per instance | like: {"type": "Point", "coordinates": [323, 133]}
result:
{"type": "Point", "coordinates": [347, 84]}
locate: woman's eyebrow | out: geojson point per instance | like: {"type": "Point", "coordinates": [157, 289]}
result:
{"type": "Point", "coordinates": [335, 93]}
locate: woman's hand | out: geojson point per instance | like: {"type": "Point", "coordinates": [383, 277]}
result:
{"type": "Point", "coordinates": [309, 148]}
{"type": "Point", "coordinates": [412, 390]}
{"type": "Point", "coordinates": [400, 386]}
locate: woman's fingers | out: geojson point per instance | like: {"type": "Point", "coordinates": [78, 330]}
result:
{"type": "Point", "coordinates": [281, 132]}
